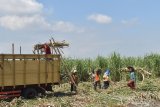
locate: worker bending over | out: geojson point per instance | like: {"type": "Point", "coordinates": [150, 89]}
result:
{"type": "Point", "coordinates": [106, 79]}
{"type": "Point", "coordinates": [97, 81]}
{"type": "Point", "coordinates": [74, 81]}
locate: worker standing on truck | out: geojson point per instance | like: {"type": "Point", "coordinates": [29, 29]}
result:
{"type": "Point", "coordinates": [97, 81]}
{"type": "Point", "coordinates": [47, 49]}
{"type": "Point", "coordinates": [106, 80]}
{"type": "Point", "coordinates": [74, 81]}
{"type": "Point", "coordinates": [131, 82]}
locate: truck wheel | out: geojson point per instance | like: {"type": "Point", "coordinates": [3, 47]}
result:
{"type": "Point", "coordinates": [29, 93]}
{"type": "Point", "coordinates": [49, 88]}
{"type": "Point", "coordinates": [41, 91]}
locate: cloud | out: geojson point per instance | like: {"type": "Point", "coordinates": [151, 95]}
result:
{"type": "Point", "coordinates": [26, 14]}
{"type": "Point", "coordinates": [99, 18]}
{"type": "Point", "coordinates": [19, 14]}
{"type": "Point", "coordinates": [65, 27]}
{"type": "Point", "coordinates": [15, 22]}
{"type": "Point", "coordinates": [130, 22]}
{"type": "Point", "coordinates": [20, 6]}
{"type": "Point", "coordinates": [19, 22]}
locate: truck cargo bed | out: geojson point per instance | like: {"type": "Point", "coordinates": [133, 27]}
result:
{"type": "Point", "coordinates": [28, 69]}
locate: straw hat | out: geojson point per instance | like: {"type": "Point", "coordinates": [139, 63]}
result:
{"type": "Point", "coordinates": [74, 71]}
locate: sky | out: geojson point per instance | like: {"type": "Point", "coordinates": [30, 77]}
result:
{"type": "Point", "coordinates": [91, 27]}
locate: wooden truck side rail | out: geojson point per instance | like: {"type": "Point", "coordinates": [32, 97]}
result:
{"type": "Point", "coordinates": [26, 56]}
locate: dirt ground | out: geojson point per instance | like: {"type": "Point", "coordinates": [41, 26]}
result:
{"type": "Point", "coordinates": [147, 94]}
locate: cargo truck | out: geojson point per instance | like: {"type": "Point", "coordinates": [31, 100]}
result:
{"type": "Point", "coordinates": [27, 75]}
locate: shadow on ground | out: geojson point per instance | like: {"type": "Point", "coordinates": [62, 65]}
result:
{"type": "Point", "coordinates": [62, 94]}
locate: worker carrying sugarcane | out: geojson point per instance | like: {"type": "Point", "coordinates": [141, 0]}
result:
{"type": "Point", "coordinates": [131, 82]}
{"type": "Point", "coordinates": [92, 76]}
{"type": "Point", "coordinates": [97, 81]}
{"type": "Point", "coordinates": [106, 80]}
{"type": "Point", "coordinates": [74, 81]}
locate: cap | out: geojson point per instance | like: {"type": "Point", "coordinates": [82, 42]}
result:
{"type": "Point", "coordinates": [107, 72]}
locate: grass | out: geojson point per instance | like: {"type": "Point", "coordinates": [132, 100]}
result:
{"type": "Point", "coordinates": [117, 95]}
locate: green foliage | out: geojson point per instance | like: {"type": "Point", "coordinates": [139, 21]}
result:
{"type": "Point", "coordinates": [152, 62]}
{"type": "Point", "coordinates": [113, 62]}
{"type": "Point", "coordinates": [82, 68]}
{"type": "Point", "coordinates": [102, 62]}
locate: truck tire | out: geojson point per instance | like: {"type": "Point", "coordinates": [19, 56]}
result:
{"type": "Point", "coordinates": [49, 88]}
{"type": "Point", "coordinates": [41, 91]}
{"type": "Point", "coordinates": [29, 93]}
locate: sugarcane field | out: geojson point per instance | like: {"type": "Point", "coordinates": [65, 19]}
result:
{"type": "Point", "coordinates": [70, 82]}
{"type": "Point", "coordinates": [74, 53]}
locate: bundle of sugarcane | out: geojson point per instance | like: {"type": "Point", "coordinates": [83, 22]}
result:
{"type": "Point", "coordinates": [140, 70]}
{"type": "Point", "coordinates": [52, 44]}
{"type": "Point", "coordinates": [58, 44]}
